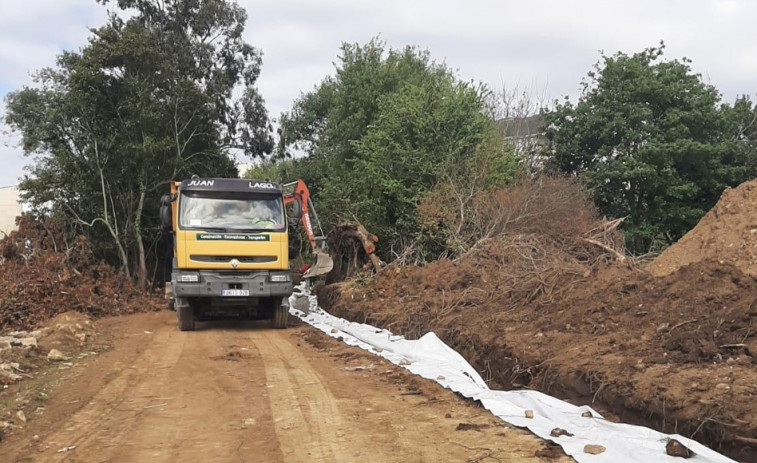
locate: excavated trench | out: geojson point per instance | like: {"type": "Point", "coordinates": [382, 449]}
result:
{"type": "Point", "coordinates": [642, 349]}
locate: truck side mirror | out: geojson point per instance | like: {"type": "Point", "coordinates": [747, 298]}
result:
{"type": "Point", "coordinates": [165, 213]}
{"type": "Point", "coordinates": [296, 210]}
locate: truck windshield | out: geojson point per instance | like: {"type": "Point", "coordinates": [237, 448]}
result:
{"type": "Point", "coordinates": [231, 213]}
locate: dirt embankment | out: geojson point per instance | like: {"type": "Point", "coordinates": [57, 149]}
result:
{"type": "Point", "coordinates": [677, 352]}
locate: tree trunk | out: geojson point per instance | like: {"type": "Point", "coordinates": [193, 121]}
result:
{"type": "Point", "coordinates": [112, 227]}
{"type": "Point", "coordinates": [137, 229]}
{"type": "Point", "coordinates": [124, 260]}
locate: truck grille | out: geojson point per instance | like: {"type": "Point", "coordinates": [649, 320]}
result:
{"type": "Point", "coordinates": [226, 259]}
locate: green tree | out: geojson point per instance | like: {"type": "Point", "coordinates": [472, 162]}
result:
{"type": "Point", "coordinates": [148, 100]}
{"type": "Point", "coordinates": [383, 131]}
{"type": "Point", "coordinates": [651, 140]}
{"type": "Point", "coordinates": [743, 121]}
{"type": "Point", "coordinates": [340, 109]}
{"type": "Point", "coordinates": [425, 134]}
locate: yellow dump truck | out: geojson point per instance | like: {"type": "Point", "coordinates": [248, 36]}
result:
{"type": "Point", "coordinates": [231, 248]}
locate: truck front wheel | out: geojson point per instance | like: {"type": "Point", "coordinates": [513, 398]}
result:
{"type": "Point", "coordinates": [280, 316]}
{"type": "Point", "coordinates": [186, 315]}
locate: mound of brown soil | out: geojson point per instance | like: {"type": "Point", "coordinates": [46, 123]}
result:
{"type": "Point", "coordinates": [727, 233]}
{"type": "Point", "coordinates": [676, 352]}
{"type": "Point", "coordinates": [67, 332]}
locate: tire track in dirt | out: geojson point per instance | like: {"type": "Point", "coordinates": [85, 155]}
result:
{"type": "Point", "coordinates": [213, 406]}
{"type": "Point", "coordinates": [308, 423]}
{"type": "Point", "coordinates": [110, 408]}
{"type": "Point", "coordinates": [180, 401]}
{"type": "Point", "coordinates": [243, 393]}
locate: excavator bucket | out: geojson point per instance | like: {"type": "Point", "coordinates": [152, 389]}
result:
{"type": "Point", "coordinates": [323, 264]}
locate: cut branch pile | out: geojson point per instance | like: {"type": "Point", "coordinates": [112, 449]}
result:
{"type": "Point", "coordinates": [539, 239]}
{"type": "Point", "coordinates": [44, 272]}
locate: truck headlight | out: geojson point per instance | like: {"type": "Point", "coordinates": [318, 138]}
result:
{"type": "Point", "coordinates": [189, 278]}
{"type": "Point", "coordinates": [281, 278]}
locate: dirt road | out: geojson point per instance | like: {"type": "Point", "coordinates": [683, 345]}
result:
{"type": "Point", "coordinates": [227, 393]}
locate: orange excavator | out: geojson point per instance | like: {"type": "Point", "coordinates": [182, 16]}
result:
{"type": "Point", "coordinates": [297, 193]}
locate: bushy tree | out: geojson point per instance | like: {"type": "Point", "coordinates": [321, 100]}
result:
{"type": "Point", "coordinates": [148, 100]}
{"type": "Point", "coordinates": [383, 131]}
{"type": "Point", "coordinates": [651, 140]}
{"type": "Point", "coordinates": [425, 134]}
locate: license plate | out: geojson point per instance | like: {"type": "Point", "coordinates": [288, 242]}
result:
{"type": "Point", "coordinates": [235, 292]}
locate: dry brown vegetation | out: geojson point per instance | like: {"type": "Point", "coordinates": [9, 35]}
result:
{"type": "Point", "coordinates": [537, 236]}
{"type": "Point", "coordinates": [556, 209]}
{"type": "Point", "coordinates": [44, 272]}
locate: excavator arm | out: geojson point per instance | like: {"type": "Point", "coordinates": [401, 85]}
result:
{"type": "Point", "coordinates": [301, 194]}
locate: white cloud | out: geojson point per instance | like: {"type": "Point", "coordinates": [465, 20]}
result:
{"type": "Point", "coordinates": [508, 41]}
{"type": "Point", "coordinates": [495, 41]}
{"type": "Point", "coordinates": [16, 52]}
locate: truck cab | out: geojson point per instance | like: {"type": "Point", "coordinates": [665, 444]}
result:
{"type": "Point", "coordinates": [230, 250]}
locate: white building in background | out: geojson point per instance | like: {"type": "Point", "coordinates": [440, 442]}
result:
{"type": "Point", "coordinates": [10, 208]}
{"type": "Point", "coordinates": [243, 167]}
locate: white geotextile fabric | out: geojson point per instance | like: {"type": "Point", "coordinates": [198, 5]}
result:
{"type": "Point", "coordinates": [430, 358]}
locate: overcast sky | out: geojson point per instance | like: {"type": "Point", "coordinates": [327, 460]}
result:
{"type": "Point", "coordinates": [542, 44]}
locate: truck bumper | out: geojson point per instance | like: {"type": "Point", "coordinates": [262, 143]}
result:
{"type": "Point", "coordinates": [213, 283]}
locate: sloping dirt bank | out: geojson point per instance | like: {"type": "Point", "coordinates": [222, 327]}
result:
{"type": "Point", "coordinates": [727, 233]}
{"type": "Point", "coordinates": [672, 346]}
{"type": "Point", "coordinates": [676, 353]}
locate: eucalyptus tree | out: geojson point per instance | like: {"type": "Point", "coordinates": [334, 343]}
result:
{"type": "Point", "coordinates": [165, 89]}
